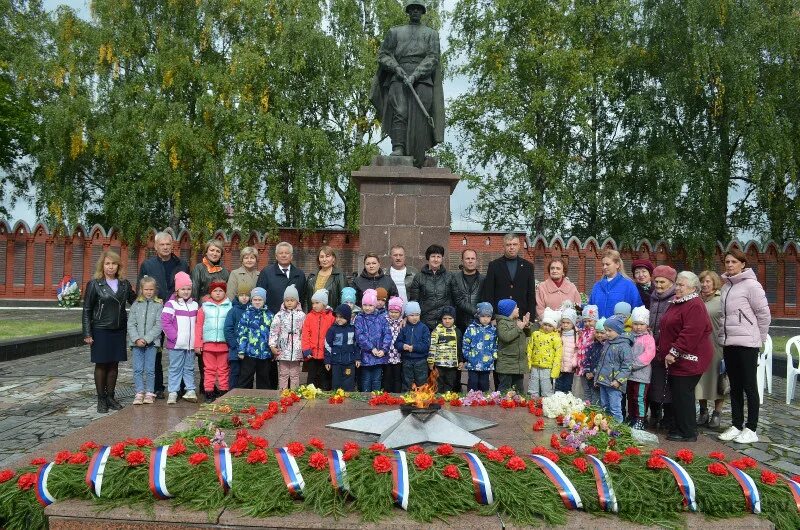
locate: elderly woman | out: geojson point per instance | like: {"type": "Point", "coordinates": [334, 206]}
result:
{"type": "Point", "coordinates": [328, 277]}
{"type": "Point", "coordinates": [643, 276]}
{"type": "Point", "coordinates": [244, 276]}
{"type": "Point", "coordinates": [659, 397]}
{"type": "Point", "coordinates": [373, 277]}
{"type": "Point", "coordinates": [744, 325]}
{"type": "Point", "coordinates": [556, 289]}
{"type": "Point", "coordinates": [684, 344]}
{"type": "Point", "coordinates": [708, 387]}
{"type": "Point", "coordinates": [613, 287]}
{"type": "Point", "coordinates": [105, 324]}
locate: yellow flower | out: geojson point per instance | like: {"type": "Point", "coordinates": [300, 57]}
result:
{"type": "Point", "coordinates": [449, 396]}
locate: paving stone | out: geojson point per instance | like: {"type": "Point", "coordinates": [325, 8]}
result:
{"type": "Point", "coordinates": [758, 454]}
{"type": "Point", "coordinates": [789, 467]}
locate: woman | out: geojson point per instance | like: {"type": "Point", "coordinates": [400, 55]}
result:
{"type": "Point", "coordinates": [659, 397]}
{"type": "Point", "coordinates": [105, 323]}
{"type": "Point", "coordinates": [328, 277]}
{"type": "Point", "coordinates": [372, 277]}
{"type": "Point", "coordinates": [642, 275]}
{"type": "Point", "coordinates": [434, 288]}
{"type": "Point", "coordinates": [246, 275]}
{"type": "Point", "coordinates": [744, 325]}
{"type": "Point", "coordinates": [684, 339]}
{"type": "Point", "coordinates": [208, 270]}
{"type": "Point", "coordinates": [556, 289]}
{"type": "Point", "coordinates": [614, 287]}
{"type": "Point", "coordinates": [707, 388]}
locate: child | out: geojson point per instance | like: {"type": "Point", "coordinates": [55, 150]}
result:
{"type": "Point", "coordinates": [285, 339]}
{"type": "Point", "coordinates": [584, 337]}
{"type": "Point", "coordinates": [238, 307]}
{"type": "Point", "coordinates": [644, 349]}
{"type": "Point", "coordinates": [393, 370]}
{"type": "Point", "coordinates": [373, 336]}
{"type": "Point", "coordinates": [177, 321]}
{"type": "Point", "coordinates": [569, 355]}
{"type": "Point", "coordinates": [445, 352]}
{"type": "Point", "coordinates": [144, 336]}
{"type": "Point", "coordinates": [253, 333]}
{"type": "Point", "coordinates": [342, 355]}
{"type": "Point", "coordinates": [209, 339]}
{"type": "Point", "coordinates": [349, 297]}
{"type": "Point", "coordinates": [544, 355]}
{"type": "Point", "coordinates": [315, 327]}
{"type": "Point", "coordinates": [589, 363]}
{"type": "Point", "coordinates": [383, 299]}
{"type": "Point", "coordinates": [512, 339]}
{"type": "Point", "coordinates": [480, 348]}
{"type": "Point", "coordinates": [614, 366]}
{"type": "Point", "coordinates": [623, 310]}
{"type": "Point", "coordinates": [414, 342]}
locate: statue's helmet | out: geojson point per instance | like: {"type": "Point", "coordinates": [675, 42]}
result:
{"type": "Point", "coordinates": [419, 3]}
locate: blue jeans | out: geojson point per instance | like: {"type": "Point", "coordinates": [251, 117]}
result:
{"type": "Point", "coordinates": [144, 368]}
{"type": "Point", "coordinates": [590, 393]}
{"type": "Point", "coordinates": [414, 373]}
{"type": "Point", "coordinates": [564, 382]}
{"type": "Point", "coordinates": [477, 380]}
{"type": "Point", "coordinates": [233, 376]}
{"type": "Point", "coordinates": [371, 378]}
{"type": "Point", "coordinates": [611, 401]}
{"type": "Point", "coordinates": [181, 367]}
{"type": "Point", "coordinates": [343, 376]}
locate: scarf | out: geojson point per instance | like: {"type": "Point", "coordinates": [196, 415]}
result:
{"type": "Point", "coordinates": [211, 267]}
{"type": "Point", "coordinates": [558, 283]}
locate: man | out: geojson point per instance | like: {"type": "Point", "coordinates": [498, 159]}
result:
{"type": "Point", "coordinates": [470, 283]}
{"type": "Point", "coordinates": [162, 268]}
{"type": "Point", "coordinates": [434, 288]}
{"type": "Point", "coordinates": [402, 275]}
{"type": "Point", "coordinates": [409, 62]}
{"type": "Point", "coordinates": [511, 276]}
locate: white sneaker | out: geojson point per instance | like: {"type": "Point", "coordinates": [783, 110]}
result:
{"type": "Point", "coordinates": [746, 437]}
{"type": "Point", "coordinates": [730, 434]}
{"type": "Point", "coordinates": [190, 396]}
{"type": "Point", "coordinates": [172, 398]}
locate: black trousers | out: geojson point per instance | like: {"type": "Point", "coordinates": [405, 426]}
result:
{"type": "Point", "coordinates": [448, 379]}
{"type": "Point", "coordinates": [317, 374]}
{"type": "Point", "coordinates": [683, 413]}
{"type": "Point", "coordinates": [393, 378]}
{"type": "Point", "coordinates": [741, 363]}
{"type": "Point", "coordinates": [159, 375]}
{"type": "Point", "coordinates": [260, 368]}
{"type": "Point", "coordinates": [509, 381]}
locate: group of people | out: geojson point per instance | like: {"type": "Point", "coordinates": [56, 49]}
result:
{"type": "Point", "coordinates": [657, 343]}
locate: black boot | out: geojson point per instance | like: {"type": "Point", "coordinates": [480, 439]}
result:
{"type": "Point", "coordinates": [210, 397]}
{"type": "Point", "coordinates": [655, 414]}
{"type": "Point", "coordinates": [113, 404]}
{"type": "Point", "coordinates": [102, 404]}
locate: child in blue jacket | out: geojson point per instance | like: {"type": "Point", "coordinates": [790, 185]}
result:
{"type": "Point", "coordinates": [414, 344]}
{"type": "Point", "coordinates": [342, 355]}
{"type": "Point", "coordinates": [480, 348]}
{"type": "Point", "coordinates": [232, 319]}
{"type": "Point", "coordinates": [374, 336]}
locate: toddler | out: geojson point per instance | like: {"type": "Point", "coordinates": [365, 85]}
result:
{"type": "Point", "coordinates": [238, 307]}
{"type": "Point", "coordinates": [373, 336]}
{"type": "Point", "coordinates": [480, 348]}
{"type": "Point", "coordinates": [569, 355]}
{"type": "Point", "coordinates": [393, 370]}
{"type": "Point", "coordinates": [254, 350]}
{"type": "Point", "coordinates": [644, 349]}
{"type": "Point", "coordinates": [544, 355]}
{"type": "Point", "coordinates": [445, 352]}
{"type": "Point", "coordinates": [588, 366]}
{"type": "Point", "coordinates": [614, 366]}
{"type": "Point", "coordinates": [315, 328]}
{"type": "Point", "coordinates": [342, 356]}
{"type": "Point", "coordinates": [414, 343]}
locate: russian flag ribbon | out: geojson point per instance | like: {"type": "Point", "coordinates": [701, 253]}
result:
{"type": "Point", "coordinates": [400, 478]}
{"type": "Point", "coordinates": [42, 494]}
{"type": "Point", "coordinates": [752, 498]}
{"type": "Point", "coordinates": [480, 479]}
{"type": "Point", "coordinates": [684, 481]}
{"type": "Point", "coordinates": [97, 466]}
{"type": "Point", "coordinates": [605, 491]}
{"type": "Point", "coordinates": [158, 468]}
{"type": "Point", "coordinates": [569, 495]}
{"type": "Point", "coordinates": [291, 473]}
{"type": "Point", "coordinates": [794, 487]}
{"type": "Point", "coordinates": [224, 467]}
{"type": "Point", "coordinates": [338, 471]}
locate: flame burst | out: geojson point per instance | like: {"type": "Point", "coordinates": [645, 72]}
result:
{"type": "Point", "coordinates": [424, 395]}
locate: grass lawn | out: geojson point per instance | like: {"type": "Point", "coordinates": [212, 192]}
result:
{"type": "Point", "coordinates": [12, 329]}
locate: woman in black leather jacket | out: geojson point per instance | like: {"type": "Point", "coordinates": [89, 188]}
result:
{"type": "Point", "coordinates": [105, 325]}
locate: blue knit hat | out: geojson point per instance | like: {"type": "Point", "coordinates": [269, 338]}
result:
{"type": "Point", "coordinates": [506, 307]}
{"type": "Point", "coordinates": [344, 311]}
{"type": "Point", "coordinates": [349, 295]}
{"type": "Point", "coordinates": [259, 292]}
{"type": "Point", "coordinates": [484, 309]}
{"type": "Point", "coordinates": [622, 308]}
{"type": "Point", "coordinates": [412, 308]}
{"type": "Point", "coordinates": [615, 323]}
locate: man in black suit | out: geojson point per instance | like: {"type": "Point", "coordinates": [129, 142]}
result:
{"type": "Point", "coordinates": [511, 276]}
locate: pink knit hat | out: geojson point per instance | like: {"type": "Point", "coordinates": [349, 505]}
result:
{"type": "Point", "coordinates": [182, 280]}
{"type": "Point", "coordinates": [396, 304]}
{"type": "Point", "coordinates": [370, 297]}
{"type": "Point", "coordinates": [665, 271]}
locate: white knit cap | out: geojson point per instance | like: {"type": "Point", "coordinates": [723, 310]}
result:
{"type": "Point", "coordinates": [640, 315]}
{"type": "Point", "coordinates": [551, 317]}
{"type": "Point", "coordinates": [321, 295]}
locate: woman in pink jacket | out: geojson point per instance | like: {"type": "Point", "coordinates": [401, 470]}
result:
{"type": "Point", "coordinates": [556, 289]}
{"type": "Point", "coordinates": [743, 328]}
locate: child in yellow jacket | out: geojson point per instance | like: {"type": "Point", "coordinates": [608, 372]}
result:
{"type": "Point", "coordinates": [544, 355]}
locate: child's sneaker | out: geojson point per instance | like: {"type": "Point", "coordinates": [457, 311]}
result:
{"type": "Point", "coordinates": [190, 396]}
{"type": "Point", "coordinates": [173, 398]}
{"type": "Point", "coordinates": [138, 399]}
{"type": "Point", "coordinates": [149, 398]}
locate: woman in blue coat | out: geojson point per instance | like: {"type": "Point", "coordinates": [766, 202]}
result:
{"type": "Point", "coordinates": [613, 287]}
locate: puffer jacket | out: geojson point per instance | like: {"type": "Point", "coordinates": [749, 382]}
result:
{"type": "Point", "coordinates": [232, 320]}
{"type": "Point", "coordinates": [615, 362]}
{"type": "Point", "coordinates": [583, 342]}
{"type": "Point", "coordinates": [418, 336]}
{"type": "Point", "coordinates": [286, 334]}
{"type": "Point", "coordinates": [395, 326]}
{"type": "Point", "coordinates": [372, 331]}
{"type": "Point", "coordinates": [362, 282]}
{"type": "Point", "coordinates": [433, 291]}
{"type": "Point", "coordinates": [144, 321]}
{"type": "Point", "coordinates": [745, 311]}
{"type": "Point", "coordinates": [445, 347]}
{"type": "Point", "coordinates": [253, 332]}
{"type": "Point", "coordinates": [659, 303]}
{"type": "Point", "coordinates": [644, 350]}
{"type": "Point", "coordinates": [177, 321]}
{"type": "Point", "coordinates": [544, 351]}
{"type": "Point", "coordinates": [591, 357]}
{"type": "Point", "coordinates": [315, 327]}
{"type": "Point", "coordinates": [105, 309]}
{"type": "Point", "coordinates": [470, 296]}
{"type": "Point", "coordinates": [512, 347]}
{"type": "Point", "coordinates": [479, 347]}
{"type": "Point", "coordinates": [569, 351]}
{"type": "Point", "coordinates": [606, 294]}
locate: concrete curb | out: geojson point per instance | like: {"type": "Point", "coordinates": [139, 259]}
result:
{"type": "Point", "coordinates": [12, 349]}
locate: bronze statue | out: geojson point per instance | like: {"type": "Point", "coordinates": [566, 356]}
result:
{"type": "Point", "coordinates": [407, 89]}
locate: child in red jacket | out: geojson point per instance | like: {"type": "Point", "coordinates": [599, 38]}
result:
{"type": "Point", "coordinates": [316, 325]}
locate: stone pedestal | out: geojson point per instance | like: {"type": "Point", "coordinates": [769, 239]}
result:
{"type": "Point", "coordinates": [403, 205]}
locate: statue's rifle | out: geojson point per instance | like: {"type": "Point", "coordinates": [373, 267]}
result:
{"type": "Point", "coordinates": [419, 102]}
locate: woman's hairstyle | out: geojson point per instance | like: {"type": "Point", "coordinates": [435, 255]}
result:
{"type": "Point", "coordinates": [248, 251]}
{"type": "Point", "coordinates": [558, 259]}
{"type": "Point", "coordinates": [213, 243]}
{"type": "Point", "coordinates": [434, 249]}
{"type": "Point", "coordinates": [328, 251]}
{"type": "Point", "coordinates": [114, 257]}
{"type": "Point", "coordinates": [614, 256]}
{"type": "Point", "coordinates": [738, 254]}
{"type": "Point", "coordinates": [691, 278]}
{"type": "Point", "coordinates": [715, 279]}
{"type": "Point", "coordinates": [371, 255]}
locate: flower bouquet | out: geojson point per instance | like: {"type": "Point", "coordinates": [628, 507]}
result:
{"type": "Point", "coordinates": [561, 404]}
{"type": "Point", "coordinates": [68, 293]}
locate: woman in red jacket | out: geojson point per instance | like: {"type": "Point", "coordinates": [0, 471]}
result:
{"type": "Point", "coordinates": [684, 343]}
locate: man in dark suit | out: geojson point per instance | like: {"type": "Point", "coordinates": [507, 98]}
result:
{"type": "Point", "coordinates": [511, 276]}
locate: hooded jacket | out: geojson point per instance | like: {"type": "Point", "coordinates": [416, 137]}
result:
{"type": "Point", "coordinates": [644, 350]}
{"type": "Point", "coordinates": [445, 346]}
{"type": "Point", "coordinates": [615, 362]}
{"type": "Point", "coordinates": [544, 351]}
{"type": "Point", "coordinates": [606, 294]}
{"type": "Point", "coordinates": [232, 320]}
{"type": "Point", "coordinates": [479, 347]}
{"type": "Point", "coordinates": [418, 336]}
{"type": "Point", "coordinates": [745, 311]}
{"type": "Point", "coordinates": [372, 331]}
{"type": "Point", "coordinates": [144, 321]}
{"type": "Point", "coordinates": [253, 333]}
{"type": "Point", "coordinates": [285, 334]}
{"type": "Point", "coordinates": [512, 347]}
{"type": "Point", "coordinates": [177, 322]}
{"type": "Point", "coordinates": [315, 328]}
{"type": "Point", "coordinates": [340, 345]}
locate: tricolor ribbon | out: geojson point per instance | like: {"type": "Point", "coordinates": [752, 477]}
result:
{"type": "Point", "coordinates": [569, 495]}
{"type": "Point", "coordinates": [400, 479]}
{"type": "Point", "coordinates": [338, 471]}
{"type": "Point", "coordinates": [605, 491]}
{"type": "Point", "coordinates": [480, 479]}
{"type": "Point", "coordinates": [97, 465]}
{"type": "Point", "coordinates": [158, 468]}
{"type": "Point", "coordinates": [291, 473]}
{"type": "Point", "coordinates": [224, 467]}
{"type": "Point", "coordinates": [794, 487]}
{"type": "Point", "coordinates": [42, 494]}
{"type": "Point", "coordinates": [752, 498]}
{"type": "Point", "coordinates": [684, 481]}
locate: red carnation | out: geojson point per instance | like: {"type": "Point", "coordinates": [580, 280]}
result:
{"type": "Point", "coordinates": [316, 442]}
{"type": "Point", "coordinates": [78, 458]}
{"type": "Point", "coordinates": [444, 450]}
{"type": "Point", "coordinates": [88, 446]}
{"type": "Point", "coordinates": [451, 471]}
{"type": "Point", "coordinates": [515, 463]}
{"type": "Point", "coordinates": [495, 456]}
{"type": "Point", "coordinates": [632, 451]}
{"type": "Point", "coordinates": [6, 475]}
{"type": "Point", "coordinates": [351, 445]}
{"type": "Point", "coordinates": [507, 450]}
{"type": "Point", "coordinates": [581, 464]}
{"type": "Point", "coordinates": [239, 446]}
{"type": "Point", "coordinates": [415, 449]}
{"type": "Point", "coordinates": [202, 441]}
{"type": "Point", "coordinates": [717, 455]}
{"type": "Point", "coordinates": [656, 462]}
{"type": "Point", "coordinates": [685, 455]}
{"type": "Point", "coordinates": [273, 407]}
{"type": "Point", "coordinates": [590, 450]}
{"type": "Point", "coordinates": [118, 450]}
{"type": "Point", "coordinates": [26, 481]}
{"type": "Point", "coordinates": [198, 458]}
{"type": "Point", "coordinates": [456, 402]}
{"type": "Point", "coordinates": [560, 419]}
{"type": "Point", "coordinates": [744, 463]}
{"type": "Point", "coordinates": [538, 425]}
{"type": "Point", "coordinates": [481, 448]}
{"type": "Point", "coordinates": [423, 461]}
{"type": "Point", "coordinates": [38, 461]}
{"type": "Point", "coordinates": [768, 477]}
{"type": "Point", "coordinates": [318, 460]}
{"type": "Point", "coordinates": [658, 452]}
{"type": "Point", "coordinates": [567, 450]}
{"type": "Point", "coordinates": [552, 456]}
{"type": "Point", "coordinates": [382, 464]}
{"type": "Point", "coordinates": [296, 449]}
{"type": "Point", "coordinates": [144, 442]}
{"type": "Point", "coordinates": [378, 448]}
{"type": "Point", "coordinates": [249, 410]}
{"type": "Point", "coordinates": [257, 456]}
{"type": "Point", "coordinates": [612, 457]}
{"type": "Point", "coordinates": [135, 458]}
{"type": "Point", "coordinates": [243, 433]}
{"type": "Point", "coordinates": [555, 443]}
{"type": "Point", "coordinates": [538, 411]}
{"type": "Point", "coordinates": [716, 468]}
{"type": "Point", "coordinates": [177, 448]}
{"type": "Point", "coordinates": [796, 478]}
{"type": "Point", "coordinates": [260, 442]}
{"type": "Point", "coordinates": [237, 421]}
{"type": "Point", "coordinates": [350, 454]}
{"type": "Point", "coordinates": [62, 456]}
{"type": "Point", "coordinates": [539, 450]}
{"type": "Point", "coordinates": [255, 423]}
